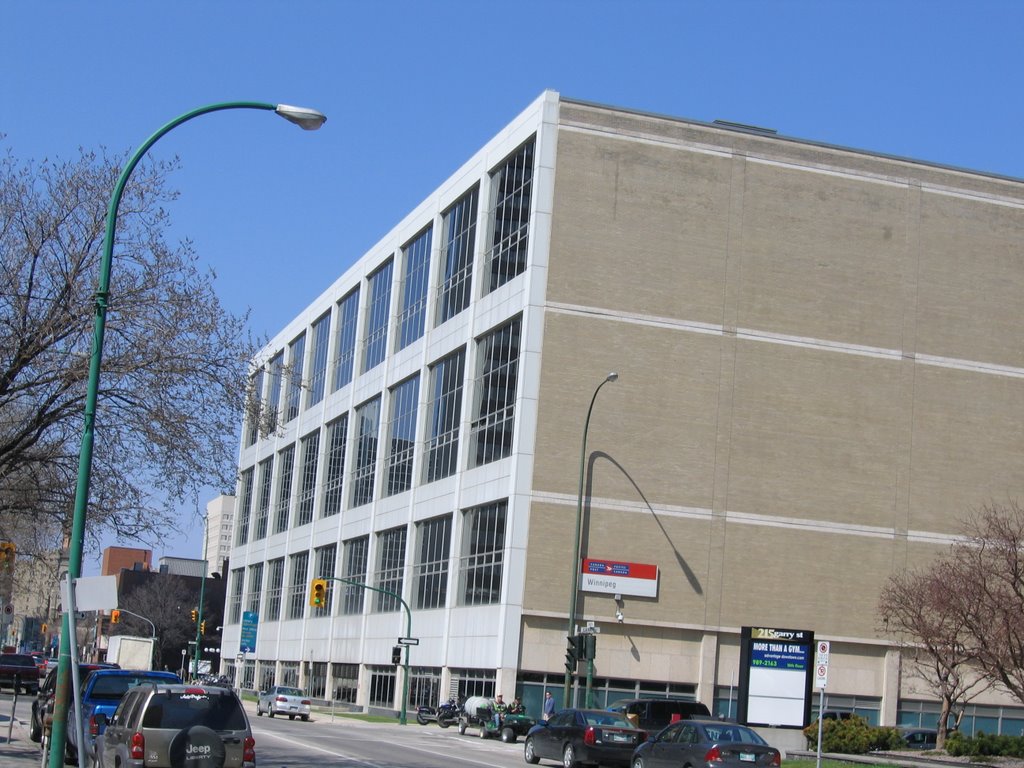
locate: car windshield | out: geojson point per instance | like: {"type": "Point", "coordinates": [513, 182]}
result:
{"type": "Point", "coordinates": [289, 692]}
{"type": "Point", "coordinates": [183, 709]}
{"type": "Point", "coordinates": [607, 719]}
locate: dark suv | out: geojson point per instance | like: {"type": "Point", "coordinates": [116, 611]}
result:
{"type": "Point", "coordinates": [654, 714]}
{"type": "Point", "coordinates": [159, 726]}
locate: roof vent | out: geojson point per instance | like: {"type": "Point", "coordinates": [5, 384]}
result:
{"type": "Point", "coordinates": [745, 127]}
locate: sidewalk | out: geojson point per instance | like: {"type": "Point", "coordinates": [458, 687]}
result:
{"type": "Point", "coordinates": [20, 752]}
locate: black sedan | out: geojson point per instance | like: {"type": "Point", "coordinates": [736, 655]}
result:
{"type": "Point", "coordinates": [578, 736]}
{"type": "Point", "coordinates": [706, 744]}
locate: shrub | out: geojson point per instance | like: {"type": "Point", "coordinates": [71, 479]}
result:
{"type": "Point", "coordinates": [984, 745]}
{"type": "Point", "coordinates": [852, 736]}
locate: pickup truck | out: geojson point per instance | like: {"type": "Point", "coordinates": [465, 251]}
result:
{"type": "Point", "coordinates": [102, 690]}
{"type": "Point", "coordinates": [19, 670]}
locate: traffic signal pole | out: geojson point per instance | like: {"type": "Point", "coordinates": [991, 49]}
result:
{"type": "Point", "coordinates": [402, 719]}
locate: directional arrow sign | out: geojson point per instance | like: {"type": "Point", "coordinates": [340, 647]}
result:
{"type": "Point", "coordinates": [408, 641]}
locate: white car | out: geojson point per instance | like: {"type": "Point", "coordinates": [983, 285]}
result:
{"type": "Point", "coordinates": [283, 700]}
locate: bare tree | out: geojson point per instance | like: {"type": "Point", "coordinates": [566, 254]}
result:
{"type": "Point", "coordinates": [987, 584]}
{"type": "Point", "coordinates": [916, 607]}
{"type": "Point", "coordinates": [166, 601]}
{"type": "Point", "coordinates": [174, 364]}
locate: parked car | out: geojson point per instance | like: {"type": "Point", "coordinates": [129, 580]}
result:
{"type": "Point", "coordinates": [654, 714]}
{"type": "Point", "coordinates": [716, 743]}
{"type": "Point", "coordinates": [42, 704]}
{"type": "Point", "coordinates": [102, 690]}
{"type": "Point", "coordinates": [576, 736]}
{"type": "Point", "coordinates": [19, 670]}
{"type": "Point", "coordinates": [919, 738]}
{"type": "Point", "coordinates": [157, 725]}
{"type": "Point", "coordinates": [283, 700]}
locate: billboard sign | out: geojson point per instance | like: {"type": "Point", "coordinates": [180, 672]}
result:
{"type": "Point", "coordinates": [614, 577]}
{"type": "Point", "coordinates": [776, 670]}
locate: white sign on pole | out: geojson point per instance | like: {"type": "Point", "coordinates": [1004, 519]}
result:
{"type": "Point", "coordinates": [821, 664]}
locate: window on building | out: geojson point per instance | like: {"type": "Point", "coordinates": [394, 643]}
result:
{"type": "Point", "coordinates": [458, 236]}
{"type": "Point", "coordinates": [382, 687]}
{"type": "Point", "coordinates": [363, 473]}
{"type": "Point", "coordinates": [296, 358]}
{"type": "Point", "coordinates": [298, 584]}
{"type": "Point", "coordinates": [356, 551]}
{"type": "Point", "coordinates": [442, 444]}
{"type": "Point", "coordinates": [273, 413]}
{"type": "Point", "coordinates": [346, 682]}
{"type": "Point", "coordinates": [510, 216]}
{"type": "Point", "coordinates": [345, 334]}
{"type": "Point", "coordinates": [254, 407]}
{"type": "Point", "coordinates": [244, 508]}
{"type": "Point", "coordinates": [235, 603]}
{"type": "Point", "coordinates": [416, 267]}
{"type": "Point", "coordinates": [307, 478]}
{"type": "Point", "coordinates": [425, 687]}
{"type": "Point", "coordinates": [431, 569]}
{"type": "Point", "coordinates": [334, 470]}
{"type": "Point", "coordinates": [491, 430]}
{"type": "Point", "coordinates": [275, 587]}
{"type": "Point", "coordinates": [375, 339]}
{"type": "Point", "coordinates": [323, 568]}
{"type": "Point", "coordinates": [318, 362]}
{"type": "Point", "coordinates": [289, 674]}
{"type": "Point", "coordinates": [402, 435]}
{"type": "Point", "coordinates": [266, 477]}
{"type": "Point", "coordinates": [255, 588]}
{"type": "Point", "coordinates": [473, 682]}
{"type": "Point", "coordinates": [286, 471]}
{"type": "Point", "coordinates": [390, 568]}
{"type": "Point", "coordinates": [316, 679]}
{"type": "Point", "coordinates": [482, 560]}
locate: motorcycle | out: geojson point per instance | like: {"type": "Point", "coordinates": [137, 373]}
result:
{"type": "Point", "coordinates": [444, 715]}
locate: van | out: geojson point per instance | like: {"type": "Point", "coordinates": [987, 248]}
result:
{"type": "Point", "coordinates": [654, 714]}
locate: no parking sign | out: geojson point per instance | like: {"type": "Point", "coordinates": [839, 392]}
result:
{"type": "Point", "coordinates": [821, 664]}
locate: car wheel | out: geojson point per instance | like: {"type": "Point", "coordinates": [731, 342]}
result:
{"type": "Point", "coordinates": [198, 740]}
{"type": "Point", "coordinates": [291, 717]}
{"type": "Point", "coordinates": [638, 762]}
{"type": "Point", "coordinates": [528, 754]}
{"type": "Point", "coordinates": [305, 718]}
{"type": "Point", "coordinates": [35, 732]}
{"type": "Point", "coordinates": [508, 735]}
{"type": "Point", "coordinates": [569, 757]}
{"type": "Point", "coordinates": [259, 712]}
{"type": "Point", "coordinates": [270, 712]}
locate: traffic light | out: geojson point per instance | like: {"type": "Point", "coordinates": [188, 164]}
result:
{"type": "Point", "coordinates": [115, 618]}
{"type": "Point", "coordinates": [589, 646]}
{"type": "Point", "coordinates": [573, 653]}
{"type": "Point", "coordinates": [195, 615]}
{"type": "Point", "coordinates": [7, 554]}
{"type": "Point", "coordinates": [396, 655]}
{"type": "Point", "coordinates": [202, 627]}
{"type": "Point", "coordinates": [44, 629]}
{"type": "Point", "coordinates": [318, 593]}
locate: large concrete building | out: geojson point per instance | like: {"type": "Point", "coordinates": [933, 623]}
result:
{"type": "Point", "coordinates": [819, 374]}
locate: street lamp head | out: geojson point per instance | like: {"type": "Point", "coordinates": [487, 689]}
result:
{"type": "Point", "coordinates": [612, 376]}
{"type": "Point", "coordinates": [307, 119]}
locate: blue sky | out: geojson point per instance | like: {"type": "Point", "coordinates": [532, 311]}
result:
{"type": "Point", "coordinates": [412, 89]}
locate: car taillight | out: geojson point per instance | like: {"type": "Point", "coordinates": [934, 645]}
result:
{"type": "Point", "coordinates": [249, 750]}
{"type": "Point", "coordinates": [776, 759]}
{"type": "Point", "coordinates": [714, 755]}
{"type": "Point", "coordinates": [305, 702]}
{"type": "Point", "coordinates": [94, 727]}
{"type": "Point", "coordinates": [590, 735]}
{"type": "Point", "coordinates": [281, 698]}
{"type": "Point", "coordinates": [137, 746]}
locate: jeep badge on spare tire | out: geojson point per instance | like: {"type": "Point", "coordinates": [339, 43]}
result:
{"type": "Point", "coordinates": [197, 747]}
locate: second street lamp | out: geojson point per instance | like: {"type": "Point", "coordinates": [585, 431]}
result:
{"type": "Point", "coordinates": [574, 583]}
{"type": "Point", "coordinates": [305, 118]}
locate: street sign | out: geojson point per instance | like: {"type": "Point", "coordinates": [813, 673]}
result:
{"type": "Point", "coordinates": [590, 631]}
{"type": "Point", "coordinates": [821, 664]}
{"type": "Point", "coordinates": [408, 641]}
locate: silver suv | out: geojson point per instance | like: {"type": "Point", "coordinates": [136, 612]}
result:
{"type": "Point", "coordinates": [160, 726]}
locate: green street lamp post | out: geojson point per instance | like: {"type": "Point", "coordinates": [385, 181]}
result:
{"type": "Point", "coordinates": [574, 581]}
{"type": "Point", "coordinates": [307, 119]}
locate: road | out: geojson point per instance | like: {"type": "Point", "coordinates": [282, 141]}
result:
{"type": "Point", "coordinates": [338, 742]}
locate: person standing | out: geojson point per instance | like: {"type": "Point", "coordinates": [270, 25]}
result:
{"type": "Point", "coordinates": [549, 705]}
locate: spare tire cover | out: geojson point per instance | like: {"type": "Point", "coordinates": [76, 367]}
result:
{"type": "Point", "coordinates": [197, 747]}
